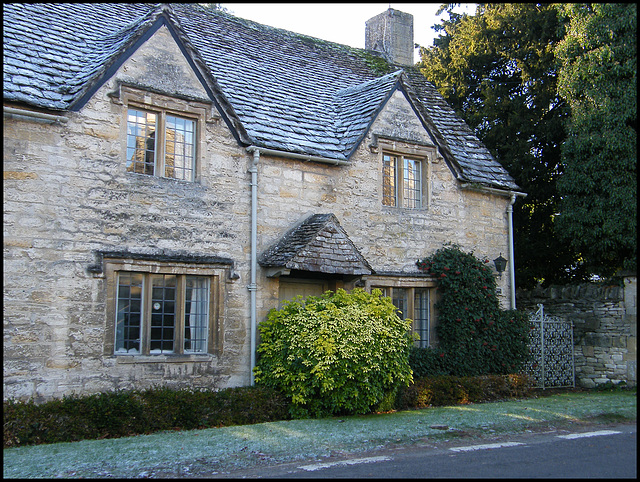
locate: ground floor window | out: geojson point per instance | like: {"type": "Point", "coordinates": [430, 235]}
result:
{"type": "Point", "coordinates": [162, 310]}
{"type": "Point", "coordinates": [414, 302]}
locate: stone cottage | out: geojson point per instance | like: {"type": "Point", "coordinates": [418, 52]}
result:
{"type": "Point", "coordinates": [172, 172]}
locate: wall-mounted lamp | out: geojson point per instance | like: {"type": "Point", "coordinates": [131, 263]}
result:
{"type": "Point", "coordinates": [501, 264]}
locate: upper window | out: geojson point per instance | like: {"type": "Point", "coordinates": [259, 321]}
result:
{"type": "Point", "coordinates": [161, 144]}
{"type": "Point", "coordinates": [162, 134]}
{"type": "Point", "coordinates": [401, 181]}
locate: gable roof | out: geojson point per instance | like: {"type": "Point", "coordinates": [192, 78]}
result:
{"type": "Point", "coordinates": [318, 244]}
{"type": "Point", "coordinates": [275, 89]}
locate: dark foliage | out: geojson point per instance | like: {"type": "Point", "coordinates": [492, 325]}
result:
{"type": "Point", "coordinates": [476, 337]}
{"type": "Point", "coordinates": [450, 390]}
{"type": "Point", "coordinates": [120, 414]}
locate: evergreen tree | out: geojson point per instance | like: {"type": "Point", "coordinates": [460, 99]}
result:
{"type": "Point", "coordinates": [597, 78]}
{"type": "Point", "coordinates": [497, 69]}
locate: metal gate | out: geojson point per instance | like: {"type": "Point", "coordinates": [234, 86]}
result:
{"type": "Point", "coordinates": [551, 345]}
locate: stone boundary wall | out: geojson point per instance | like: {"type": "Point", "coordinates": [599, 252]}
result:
{"type": "Point", "coordinates": [604, 320]}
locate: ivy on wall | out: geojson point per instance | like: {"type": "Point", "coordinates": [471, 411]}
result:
{"type": "Point", "coordinates": [476, 337]}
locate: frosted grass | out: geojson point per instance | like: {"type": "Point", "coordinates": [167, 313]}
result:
{"type": "Point", "coordinates": [220, 450]}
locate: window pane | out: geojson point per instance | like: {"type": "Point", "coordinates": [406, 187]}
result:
{"type": "Point", "coordinates": [129, 314]}
{"type": "Point", "coordinates": [179, 148]}
{"type": "Point", "coordinates": [141, 141]}
{"type": "Point", "coordinates": [196, 314]}
{"type": "Point", "coordinates": [163, 301]}
{"type": "Point", "coordinates": [422, 317]}
{"type": "Point", "coordinates": [399, 299]}
{"type": "Point", "coordinates": [412, 195]}
{"type": "Point", "coordinates": [389, 164]}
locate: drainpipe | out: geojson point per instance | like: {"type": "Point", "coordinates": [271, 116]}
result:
{"type": "Point", "coordinates": [512, 271]}
{"type": "Point", "coordinates": [253, 287]}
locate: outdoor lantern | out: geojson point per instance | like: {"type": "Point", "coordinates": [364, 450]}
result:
{"type": "Point", "coordinates": [501, 264]}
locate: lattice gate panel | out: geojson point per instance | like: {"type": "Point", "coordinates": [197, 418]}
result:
{"type": "Point", "coordinates": [551, 345]}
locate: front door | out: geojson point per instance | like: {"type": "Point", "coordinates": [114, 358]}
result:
{"type": "Point", "coordinates": [291, 288]}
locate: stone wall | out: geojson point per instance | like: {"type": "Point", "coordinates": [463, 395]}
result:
{"type": "Point", "coordinates": [68, 197]}
{"type": "Point", "coordinates": [604, 320]}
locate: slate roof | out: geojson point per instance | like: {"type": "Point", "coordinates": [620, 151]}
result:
{"type": "Point", "coordinates": [318, 244]}
{"type": "Point", "coordinates": [276, 89]}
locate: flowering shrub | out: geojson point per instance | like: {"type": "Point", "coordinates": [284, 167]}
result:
{"type": "Point", "coordinates": [340, 353]}
{"type": "Point", "coordinates": [476, 337]}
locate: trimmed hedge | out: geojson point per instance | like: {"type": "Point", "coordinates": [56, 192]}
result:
{"type": "Point", "coordinates": [450, 390]}
{"type": "Point", "coordinates": [120, 414]}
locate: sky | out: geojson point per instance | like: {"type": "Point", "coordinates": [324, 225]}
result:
{"type": "Point", "coordinates": [341, 22]}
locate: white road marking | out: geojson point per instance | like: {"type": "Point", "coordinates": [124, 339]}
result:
{"type": "Point", "coordinates": [365, 460]}
{"type": "Point", "coordinates": [485, 446]}
{"type": "Point", "coordinates": [588, 434]}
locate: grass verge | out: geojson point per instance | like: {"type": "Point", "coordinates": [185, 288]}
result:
{"type": "Point", "coordinates": [219, 450]}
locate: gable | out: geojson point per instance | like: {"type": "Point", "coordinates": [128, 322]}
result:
{"type": "Point", "coordinates": [398, 119]}
{"type": "Point", "coordinates": [159, 65]}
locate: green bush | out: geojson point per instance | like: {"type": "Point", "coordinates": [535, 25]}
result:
{"type": "Point", "coordinates": [475, 336]}
{"type": "Point", "coordinates": [119, 414]}
{"type": "Point", "coordinates": [449, 390]}
{"type": "Point", "coordinates": [340, 353]}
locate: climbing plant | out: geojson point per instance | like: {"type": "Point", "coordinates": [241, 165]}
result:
{"type": "Point", "coordinates": [475, 336]}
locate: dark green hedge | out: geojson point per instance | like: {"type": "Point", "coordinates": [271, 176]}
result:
{"type": "Point", "coordinates": [120, 414]}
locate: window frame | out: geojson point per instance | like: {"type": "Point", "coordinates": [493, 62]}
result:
{"type": "Point", "coordinates": [400, 188]}
{"type": "Point", "coordinates": [149, 268]}
{"type": "Point", "coordinates": [410, 285]}
{"type": "Point", "coordinates": [425, 155]}
{"type": "Point", "coordinates": [163, 106]}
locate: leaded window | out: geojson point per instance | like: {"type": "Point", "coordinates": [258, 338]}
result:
{"type": "Point", "coordinates": [414, 303]}
{"type": "Point", "coordinates": [161, 144]}
{"type": "Point", "coordinates": [162, 314]}
{"type": "Point", "coordinates": [401, 181]}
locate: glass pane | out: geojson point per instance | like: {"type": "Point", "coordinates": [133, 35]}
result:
{"type": "Point", "coordinates": [422, 317]}
{"type": "Point", "coordinates": [163, 302]}
{"type": "Point", "coordinates": [141, 141]}
{"type": "Point", "coordinates": [399, 299]}
{"type": "Point", "coordinates": [196, 314]}
{"type": "Point", "coordinates": [389, 180]}
{"type": "Point", "coordinates": [179, 148]}
{"type": "Point", "coordinates": [128, 313]}
{"type": "Point", "coordinates": [412, 184]}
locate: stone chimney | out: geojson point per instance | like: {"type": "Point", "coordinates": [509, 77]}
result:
{"type": "Point", "coordinates": [391, 33]}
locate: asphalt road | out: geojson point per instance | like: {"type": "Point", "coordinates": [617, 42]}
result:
{"type": "Point", "coordinates": [592, 452]}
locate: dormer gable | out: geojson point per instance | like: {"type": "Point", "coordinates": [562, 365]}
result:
{"type": "Point", "coordinates": [155, 54]}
